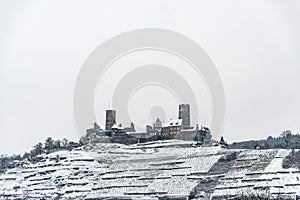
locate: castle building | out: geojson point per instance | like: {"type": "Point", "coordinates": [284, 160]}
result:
{"type": "Point", "coordinates": [204, 136]}
{"type": "Point", "coordinates": [184, 114]}
{"type": "Point", "coordinates": [129, 129]}
{"type": "Point", "coordinates": [188, 134]}
{"type": "Point", "coordinates": [172, 128]}
{"type": "Point", "coordinates": [95, 130]}
{"type": "Point", "coordinates": [110, 119]}
{"type": "Point", "coordinates": [157, 125]}
{"type": "Point", "coordinates": [149, 129]}
{"type": "Point", "coordinates": [175, 129]}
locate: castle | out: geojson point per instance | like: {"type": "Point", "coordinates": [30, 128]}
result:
{"type": "Point", "coordinates": [174, 129]}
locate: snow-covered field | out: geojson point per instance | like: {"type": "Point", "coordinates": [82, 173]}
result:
{"type": "Point", "coordinates": [158, 169]}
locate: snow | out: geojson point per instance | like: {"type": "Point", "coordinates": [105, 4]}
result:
{"type": "Point", "coordinates": [273, 176]}
{"type": "Point", "coordinates": [162, 168]}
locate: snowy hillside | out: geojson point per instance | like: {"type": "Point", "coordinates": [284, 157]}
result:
{"type": "Point", "coordinates": [172, 169]}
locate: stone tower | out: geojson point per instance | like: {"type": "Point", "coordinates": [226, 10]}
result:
{"type": "Point", "coordinates": [110, 119]}
{"type": "Point", "coordinates": [184, 114]}
{"type": "Point", "coordinates": [157, 125]}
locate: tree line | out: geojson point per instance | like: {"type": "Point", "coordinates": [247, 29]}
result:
{"type": "Point", "coordinates": [286, 140]}
{"type": "Point", "coordinates": [50, 145]}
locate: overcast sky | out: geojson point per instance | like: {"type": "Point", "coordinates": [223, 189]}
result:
{"type": "Point", "coordinates": [254, 45]}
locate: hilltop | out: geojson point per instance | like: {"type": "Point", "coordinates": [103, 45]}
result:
{"type": "Point", "coordinates": [169, 169]}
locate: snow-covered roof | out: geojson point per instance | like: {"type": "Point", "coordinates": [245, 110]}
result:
{"type": "Point", "coordinates": [115, 127]}
{"type": "Point", "coordinates": [173, 122]}
{"type": "Point", "coordinates": [136, 132]}
{"type": "Point", "coordinates": [188, 130]}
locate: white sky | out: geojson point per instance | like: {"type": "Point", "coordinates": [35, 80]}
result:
{"type": "Point", "coordinates": [254, 44]}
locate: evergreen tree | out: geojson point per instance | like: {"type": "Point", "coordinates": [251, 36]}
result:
{"type": "Point", "coordinates": [49, 145]}
{"type": "Point", "coordinates": [57, 144]}
{"type": "Point", "coordinates": [39, 148]}
{"type": "Point", "coordinates": [287, 138]}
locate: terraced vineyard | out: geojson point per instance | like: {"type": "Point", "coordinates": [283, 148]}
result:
{"type": "Point", "coordinates": [157, 170]}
